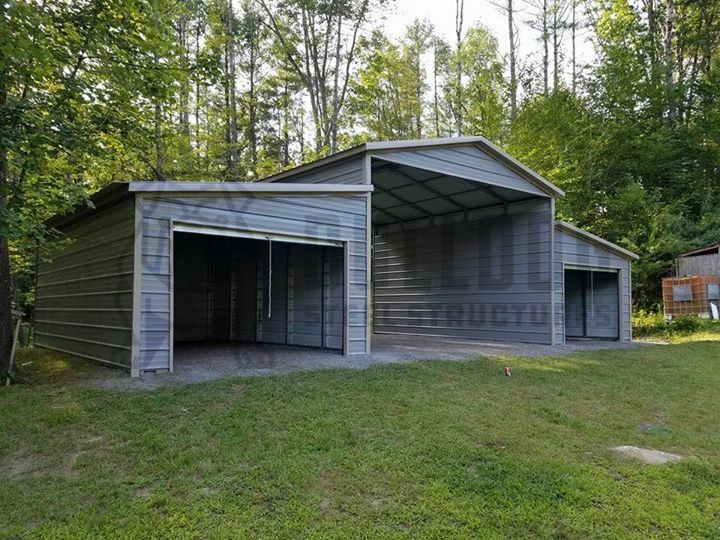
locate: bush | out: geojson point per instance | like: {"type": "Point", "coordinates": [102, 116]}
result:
{"type": "Point", "coordinates": [687, 324]}
{"type": "Point", "coordinates": [648, 323]}
{"type": "Point", "coordinates": [653, 324]}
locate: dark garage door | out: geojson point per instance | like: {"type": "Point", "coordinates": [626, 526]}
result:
{"type": "Point", "coordinates": [591, 304]}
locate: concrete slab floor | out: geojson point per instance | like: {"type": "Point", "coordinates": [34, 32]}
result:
{"type": "Point", "coordinates": [204, 361]}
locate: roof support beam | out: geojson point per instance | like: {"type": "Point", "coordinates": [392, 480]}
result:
{"type": "Point", "coordinates": [406, 202]}
{"type": "Point", "coordinates": [388, 214]}
{"type": "Point", "coordinates": [424, 185]}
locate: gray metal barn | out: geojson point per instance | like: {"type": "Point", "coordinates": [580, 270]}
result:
{"type": "Point", "coordinates": [447, 237]}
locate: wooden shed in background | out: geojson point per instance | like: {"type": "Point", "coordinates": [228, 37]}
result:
{"type": "Point", "coordinates": [694, 288]}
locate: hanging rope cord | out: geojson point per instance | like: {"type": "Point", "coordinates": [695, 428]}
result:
{"type": "Point", "coordinates": [269, 312]}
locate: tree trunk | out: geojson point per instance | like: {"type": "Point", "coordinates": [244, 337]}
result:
{"type": "Point", "coordinates": [252, 104]}
{"type": "Point", "coordinates": [159, 146]}
{"type": "Point", "coordinates": [418, 94]}
{"type": "Point", "coordinates": [232, 113]}
{"type": "Point", "coordinates": [6, 330]}
{"type": "Point", "coordinates": [6, 322]}
{"type": "Point", "coordinates": [197, 88]}
{"type": "Point", "coordinates": [459, 8]}
{"type": "Point", "coordinates": [336, 89]}
{"type": "Point", "coordinates": [650, 8]}
{"type": "Point", "coordinates": [436, 99]}
{"type": "Point", "coordinates": [286, 124]}
{"type": "Point", "coordinates": [669, 61]}
{"type": "Point", "coordinates": [556, 44]}
{"type": "Point", "coordinates": [185, 81]}
{"type": "Point", "coordinates": [158, 135]}
{"type": "Point", "coordinates": [513, 68]}
{"type": "Point", "coordinates": [574, 56]}
{"type": "Point", "coordinates": [545, 39]}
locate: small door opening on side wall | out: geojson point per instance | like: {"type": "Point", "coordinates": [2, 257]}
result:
{"type": "Point", "coordinates": [592, 305]}
{"type": "Point", "coordinates": [234, 290]}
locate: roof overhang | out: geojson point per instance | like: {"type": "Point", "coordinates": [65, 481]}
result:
{"type": "Point", "coordinates": [116, 192]}
{"type": "Point", "coordinates": [203, 188]}
{"type": "Point", "coordinates": [593, 239]}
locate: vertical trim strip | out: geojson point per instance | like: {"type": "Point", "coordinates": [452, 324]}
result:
{"type": "Point", "coordinates": [564, 317]}
{"type": "Point", "coordinates": [629, 281]}
{"type": "Point", "coordinates": [137, 289]}
{"type": "Point", "coordinates": [369, 315]}
{"type": "Point", "coordinates": [171, 315]}
{"type": "Point", "coordinates": [346, 311]}
{"type": "Point", "coordinates": [553, 337]}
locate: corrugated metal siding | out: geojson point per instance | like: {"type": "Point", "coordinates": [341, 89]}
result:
{"type": "Point", "coordinates": [305, 295]}
{"type": "Point", "coordinates": [570, 249]}
{"type": "Point", "coordinates": [575, 309]}
{"type": "Point", "coordinates": [191, 288]}
{"type": "Point", "coordinates": [482, 279]}
{"type": "Point", "coordinates": [203, 287]}
{"type": "Point", "coordinates": [336, 217]}
{"type": "Point", "coordinates": [603, 307]}
{"type": "Point", "coordinates": [245, 253]}
{"type": "Point", "coordinates": [84, 293]}
{"type": "Point", "coordinates": [464, 162]}
{"type": "Point", "coordinates": [346, 171]}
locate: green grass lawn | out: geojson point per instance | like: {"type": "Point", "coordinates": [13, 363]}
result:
{"type": "Point", "coordinates": [431, 449]}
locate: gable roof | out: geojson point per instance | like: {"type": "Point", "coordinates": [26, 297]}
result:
{"type": "Point", "coordinates": [376, 149]}
{"type": "Point", "coordinates": [593, 239]}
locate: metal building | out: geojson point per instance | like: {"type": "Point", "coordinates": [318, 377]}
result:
{"type": "Point", "coordinates": [446, 237]}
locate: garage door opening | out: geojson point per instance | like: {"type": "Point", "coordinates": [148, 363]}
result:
{"type": "Point", "coordinates": [230, 290]}
{"type": "Point", "coordinates": [591, 304]}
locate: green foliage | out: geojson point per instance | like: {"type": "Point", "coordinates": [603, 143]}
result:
{"type": "Point", "coordinates": [652, 324]}
{"type": "Point", "coordinates": [385, 95]}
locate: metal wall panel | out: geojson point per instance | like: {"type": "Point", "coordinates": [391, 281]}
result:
{"type": "Point", "coordinates": [602, 310]}
{"type": "Point", "coordinates": [84, 293]}
{"type": "Point", "coordinates": [572, 250]}
{"type": "Point", "coordinates": [488, 278]}
{"type": "Point", "coordinates": [464, 162]}
{"type": "Point", "coordinates": [346, 171]}
{"type": "Point", "coordinates": [245, 253]}
{"type": "Point", "coordinates": [336, 217]}
{"type": "Point", "coordinates": [575, 309]}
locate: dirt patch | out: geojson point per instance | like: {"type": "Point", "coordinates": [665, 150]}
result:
{"type": "Point", "coordinates": [19, 464]}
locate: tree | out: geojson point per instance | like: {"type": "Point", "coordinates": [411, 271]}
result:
{"type": "Point", "coordinates": [457, 106]}
{"type": "Point", "coordinates": [484, 87]}
{"type": "Point", "coordinates": [385, 98]}
{"type": "Point", "coordinates": [318, 39]}
{"type": "Point", "coordinates": [508, 9]}
{"type": "Point", "coordinates": [540, 22]}
{"type": "Point", "coordinates": [418, 39]}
